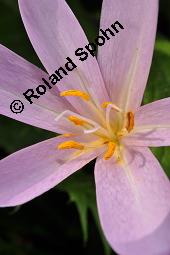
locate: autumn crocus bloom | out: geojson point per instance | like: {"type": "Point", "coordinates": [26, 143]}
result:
{"type": "Point", "coordinates": [96, 109]}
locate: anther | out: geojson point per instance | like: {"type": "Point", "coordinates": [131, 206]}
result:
{"type": "Point", "coordinates": [77, 121]}
{"type": "Point", "coordinates": [70, 145]}
{"type": "Point", "coordinates": [106, 104]}
{"type": "Point", "coordinates": [130, 121]}
{"type": "Point", "coordinates": [110, 151]}
{"type": "Point", "coordinates": [75, 93]}
{"type": "Point", "coordinates": [68, 135]}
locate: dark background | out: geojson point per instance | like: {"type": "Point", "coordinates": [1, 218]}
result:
{"type": "Point", "coordinates": [64, 220]}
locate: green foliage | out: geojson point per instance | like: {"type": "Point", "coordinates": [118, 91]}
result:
{"type": "Point", "coordinates": [159, 80]}
{"type": "Point", "coordinates": [81, 190]}
{"type": "Point", "coordinates": [163, 46]}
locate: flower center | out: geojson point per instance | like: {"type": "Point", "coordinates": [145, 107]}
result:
{"type": "Point", "coordinates": [116, 125]}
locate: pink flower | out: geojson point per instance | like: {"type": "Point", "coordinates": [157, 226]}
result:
{"type": "Point", "coordinates": [96, 109]}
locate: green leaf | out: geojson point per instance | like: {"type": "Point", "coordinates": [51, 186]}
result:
{"type": "Point", "coordinates": [81, 190]}
{"type": "Point", "coordinates": [159, 80]}
{"type": "Point", "coordinates": [159, 87]}
{"type": "Point", "coordinates": [163, 46]}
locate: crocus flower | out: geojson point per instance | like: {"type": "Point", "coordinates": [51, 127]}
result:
{"type": "Point", "coordinates": [96, 109]}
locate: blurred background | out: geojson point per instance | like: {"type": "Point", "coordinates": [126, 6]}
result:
{"type": "Point", "coordinates": [65, 220]}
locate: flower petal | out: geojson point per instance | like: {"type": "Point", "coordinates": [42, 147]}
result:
{"type": "Point", "coordinates": [17, 76]}
{"type": "Point", "coordinates": [134, 201]}
{"type": "Point", "coordinates": [125, 60]}
{"type": "Point", "coordinates": [152, 125]}
{"type": "Point", "coordinates": [55, 35]}
{"type": "Point", "coordinates": [30, 172]}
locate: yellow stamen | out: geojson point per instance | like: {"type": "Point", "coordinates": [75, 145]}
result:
{"type": "Point", "coordinates": [131, 121]}
{"type": "Point", "coordinates": [77, 121]}
{"type": "Point", "coordinates": [70, 145]}
{"type": "Point", "coordinates": [68, 135]}
{"type": "Point", "coordinates": [106, 104]}
{"type": "Point", "coordinates": [75, 93]}
{"type": "Point", "coordinates": [110, 151]}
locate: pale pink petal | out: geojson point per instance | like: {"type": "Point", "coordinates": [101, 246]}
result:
{"type": "Point", "coordinates": [152, 125]}
{"type": "Point", "coordinates": [17, 76]}
{"type": "Point", "coordinates": [134, 201]}
{"type": "Point", "coordinates": [150, 243]}
{"type": "Point", "coordinates": [30, 172]}
{"type": "Point", "coordinates": [55, 35]}
{"type": "Point", "coordinates": [125, 59]}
